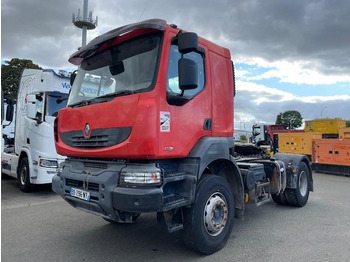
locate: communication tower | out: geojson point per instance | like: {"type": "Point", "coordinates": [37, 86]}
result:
{"type": "Point", "coordinates": [84, 23]}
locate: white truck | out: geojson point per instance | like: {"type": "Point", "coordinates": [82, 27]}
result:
{"type": "Point", "coordinates": [32, 158]}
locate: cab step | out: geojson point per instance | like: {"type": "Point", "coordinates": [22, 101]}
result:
{"type": "Point", "coordinates": [265, 197]}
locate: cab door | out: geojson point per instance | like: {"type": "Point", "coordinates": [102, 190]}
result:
{"type": "Point", "coordinates": [184, 117]}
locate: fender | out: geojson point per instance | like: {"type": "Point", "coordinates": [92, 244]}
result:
{"type": "Point", "coordinates": [292, 162]}
{"type": "Point", "coordinates": [26, 152]}
{"type": "Point", "coordinates": [215, 152]}
{"type": "Point", "coordinates": [209, 149]}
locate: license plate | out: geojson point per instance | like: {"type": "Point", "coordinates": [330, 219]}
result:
{"type": "Point", "coordinates": [79, 193]}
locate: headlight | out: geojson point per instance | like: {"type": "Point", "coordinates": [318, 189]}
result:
{"type": "Point", "coordinates": [140, 178]}
{"type": "Point", "coordinates": [48, 163]}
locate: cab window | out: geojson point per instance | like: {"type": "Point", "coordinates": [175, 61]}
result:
{"type": "Point", "coordinates": [173, 91]}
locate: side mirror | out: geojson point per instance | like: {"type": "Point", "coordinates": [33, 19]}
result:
{"type": "Point", "coordinates": [9, 110]}
{"type": "Point", "coordinates": [188, 74]}
{"type": "Point", "coordinates": [2, 106]}
{"type": "Point", "coordinates": [187, 42]}
{"type": "Point", "coordinates": [73, 76]}
{"type": "Point", "coordinates": [31, 106]}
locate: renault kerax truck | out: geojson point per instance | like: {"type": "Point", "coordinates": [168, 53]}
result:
{"type": "Point", "coordinates": [148, 127]}
{"type": "Point", "coordinates": [32, 157]}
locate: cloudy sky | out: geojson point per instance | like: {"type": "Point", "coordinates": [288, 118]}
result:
{"type": "Point", "coordinates": [289, 55]}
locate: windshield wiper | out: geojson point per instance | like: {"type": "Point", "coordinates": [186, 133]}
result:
{"type": "Point", "coordinates": [60, 99]}
{"type": "Point", "coordinates": [81, 103]}
{"type": "Point", "coordinates": [103, 98]}
{"type": "Point", "coordinates": [107, 97]}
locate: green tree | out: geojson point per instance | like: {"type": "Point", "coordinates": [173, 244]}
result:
{"type": "Point", "coordinates": [243, 138]}
{"type": "Point", "coordinates": [11, 73]}
{"type": "Point", "coordinates": [292, 118]}
{"type": "Point", "coordinates": [347, 123]}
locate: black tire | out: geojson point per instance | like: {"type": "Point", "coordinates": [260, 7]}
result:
{"type": "Point", "coordinates": [298, 197]}
{"type": "Point", "coordinates": [24, 176]}
{"type": "Point", "coordinates": [213, 194]}
{"type": "Point", "coordinates": [280, 199]}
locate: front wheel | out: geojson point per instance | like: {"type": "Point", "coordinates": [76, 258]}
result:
{"type": "Point", "coordinates": [299, 196]}
{"type": "Point", "coordinates": [208, 223]}
{"type": "Point", "coordinates": [24, 177]}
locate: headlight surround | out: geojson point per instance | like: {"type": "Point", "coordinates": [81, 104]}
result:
{"type": "Point", "coordinates": [144, 178]}
{"type": "Point", "coordinates": [138, 176]}
{"type": "Point", "coordinates": [48, 163]}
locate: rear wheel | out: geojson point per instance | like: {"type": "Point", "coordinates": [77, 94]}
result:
{"type": "Point", "coordinates": [300, 195]}
{"type": "Point", "coordinates": [24, 176]}
{"type": "Point", "coordinates": [208, 223]}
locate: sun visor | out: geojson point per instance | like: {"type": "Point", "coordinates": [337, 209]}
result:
{"type": "Point", "coordinates": [93, 46]}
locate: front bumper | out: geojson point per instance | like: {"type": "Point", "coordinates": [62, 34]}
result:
{"type": "Point", "coordinates": [109, 200]}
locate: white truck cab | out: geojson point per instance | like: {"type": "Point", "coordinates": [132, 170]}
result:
{"type": "Point", "coordinates": [33, 159]}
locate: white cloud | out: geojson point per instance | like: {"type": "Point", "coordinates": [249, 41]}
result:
{"type": "Point", "coordinates": [259, 103]}
{"type": "Point", "coordinates": [297, 72]}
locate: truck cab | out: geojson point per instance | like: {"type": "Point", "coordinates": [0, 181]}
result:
{"type": "Point", "coordinates": [32, 158]}
{"type": "Point", "coordinates": [148, 127]}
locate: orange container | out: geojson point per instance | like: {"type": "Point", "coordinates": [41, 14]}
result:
{"type": "Point", "coordinates": [344, 133]}
{"type": "Point", "coordinates": [296, 142]}
{"type": "Point", "coordinates": [331, 151]}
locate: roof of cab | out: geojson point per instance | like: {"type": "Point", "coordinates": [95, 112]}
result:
{"type": "Point", "coordinates": [93, 46]}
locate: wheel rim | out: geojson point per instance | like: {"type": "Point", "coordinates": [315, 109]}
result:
{"type": "Point", "coordinates": [303, 183]}
{"type": "Point", "coordinates": [215, 214]}
{"type": "Point", "coordinates": [23, 176]}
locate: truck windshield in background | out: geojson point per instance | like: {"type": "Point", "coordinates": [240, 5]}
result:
{"type": "Point", "coordinates": [54, 102]}
{"type": "Point", "coordinates": [123, 69]}
{"type": "Point", "coordinates": [49, 103]}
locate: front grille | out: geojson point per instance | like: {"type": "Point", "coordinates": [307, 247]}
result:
{"type": "Point", "coordinates": [95, 165]}
{"type": "Point", "coordinates": [80, 185]}
{"type": "Point", "coordinates": [100, 138]}
{"type": "Point", "coordinates": [92, 142]}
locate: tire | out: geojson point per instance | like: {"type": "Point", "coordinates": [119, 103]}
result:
{"type": "Point", "coordinates": [24, 176]}
{"type": "Point", "coordinates": [280, 199]}
{"type": "Point", "coordinates": [213, 207]}
{"type": "Point", "coordinates": [299, 196]}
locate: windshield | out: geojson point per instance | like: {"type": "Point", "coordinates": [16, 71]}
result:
{"type": "Point", "coordinates": [123, 69]}
{"type": "Point", "coordinates": [256, 130]}
{"type": "Point", "coordinates": [54, 102]}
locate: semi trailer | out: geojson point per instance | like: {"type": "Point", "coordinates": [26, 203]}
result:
{"type": "Point", "coordinates": [148, 128]}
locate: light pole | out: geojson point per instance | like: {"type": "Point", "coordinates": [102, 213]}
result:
{"type": "Point", "coordinates": [322, 111]}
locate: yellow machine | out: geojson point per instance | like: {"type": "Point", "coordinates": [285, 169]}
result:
{"type": "Point", "coordinates": [297, 143]}
{"type": "Point", "coordinates": [327, 127]}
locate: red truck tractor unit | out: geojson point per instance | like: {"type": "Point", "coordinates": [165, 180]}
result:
{"type": "Point", "coordinates": [148, 127]}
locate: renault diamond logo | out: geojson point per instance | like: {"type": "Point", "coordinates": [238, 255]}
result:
{"type": "Point", "coordinates": [87, 130]}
